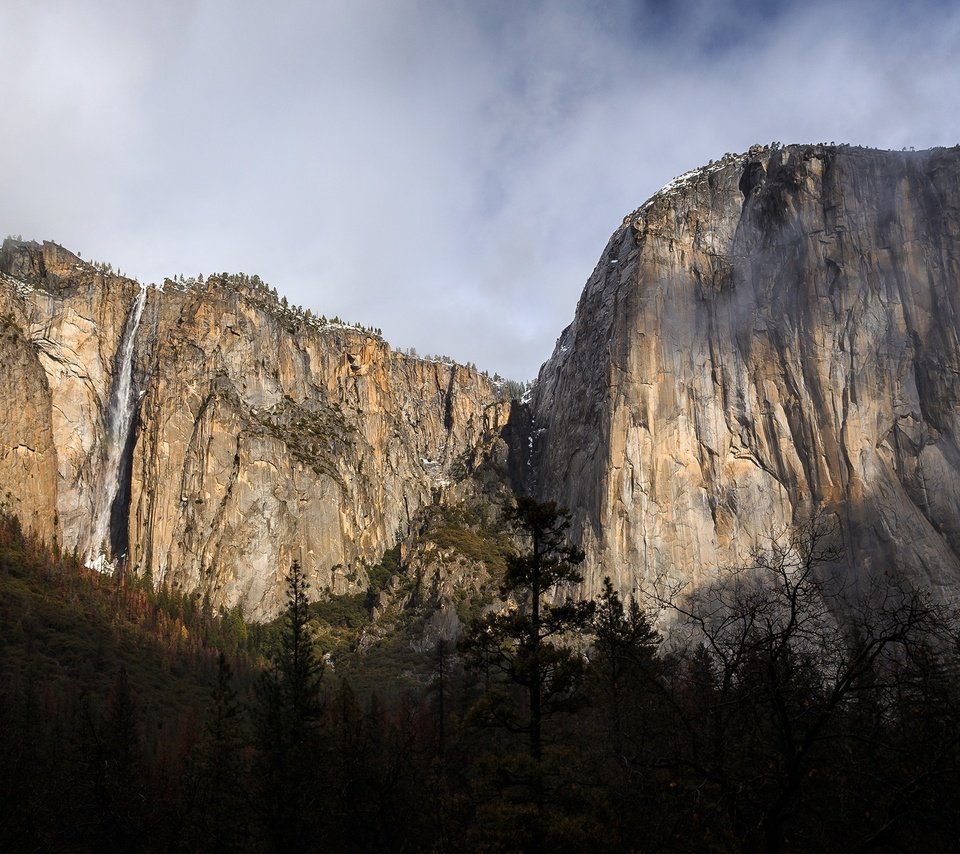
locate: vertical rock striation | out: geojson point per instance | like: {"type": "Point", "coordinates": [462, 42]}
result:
{"type": "Point", "coordinates": [267, 437]}
{"type": "Point", "coordinates": [28, 456]}
{"type": "Point", "coordinates": [67, 317]}
{"type": "Point", "coordinates": [219, 434]}
{"type": "Point", "coordinates": [769, 336]}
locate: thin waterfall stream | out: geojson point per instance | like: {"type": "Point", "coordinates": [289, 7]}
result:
{"type": "Point", "coordinates": [118, 422]}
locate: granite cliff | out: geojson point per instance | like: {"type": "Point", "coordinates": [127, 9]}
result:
{"type": "Point", "coordinates": [257, 434]}
{"type": "Point", "coordinates": [771, 336]}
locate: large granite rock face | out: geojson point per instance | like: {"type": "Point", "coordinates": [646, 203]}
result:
{"type": "Point", "coordinates": [772, 335]}
{"type": "Point", "coordinates": [265, 438]}
{"type": "Point", "coordinates": [63, 320]}
{"type": "Point", "coordinates": [261, 435]}
{"type": "Point", "coordinates": [28, 457]}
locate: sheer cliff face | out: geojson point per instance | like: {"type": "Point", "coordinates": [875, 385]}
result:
{"type": "Point", "coordinates": [771, 335]}
{"type": "Point", "coordinates": [264, 439]}
{"type": "Point", "coordinates": [62, 321]}
{"type": "Point", "coordinates": [259, 435]}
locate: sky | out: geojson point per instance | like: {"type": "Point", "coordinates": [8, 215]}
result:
{"type": "Point", "coordinates": [447, 171]}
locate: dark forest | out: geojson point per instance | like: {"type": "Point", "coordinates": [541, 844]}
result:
{"type": "Point", "coordinates": [777, 712]}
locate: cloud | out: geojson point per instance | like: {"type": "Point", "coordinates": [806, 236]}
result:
{"type": "Point", "coordinates": [447, 171]}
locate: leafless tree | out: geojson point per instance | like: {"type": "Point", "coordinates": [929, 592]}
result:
{"type": "Point", "coordinates": [777, 654]}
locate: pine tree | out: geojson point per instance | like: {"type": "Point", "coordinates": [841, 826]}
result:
{"type": "Point", "coordinates": [220, 801]}
{"type": "Point", "coordinates": [624, 650]}
{"type": "Point", "coordinates": [534, 672]}
{"type": "Point", "coordinates": [299, 668]}
{"type": "Point", "coordinates": [287, 712]}
{"type": "Point", "coordinates": [627, 692]}
{"type": "Point", "coordinates": [526, 644]}
{"type": "Point", "coordinates": [120, 793]}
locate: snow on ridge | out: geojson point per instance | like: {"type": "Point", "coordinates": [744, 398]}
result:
{"type": "Point", "coordinates": [20, 287]}
{"type": "Point", "coordinates": [684, 180]}
{"type": "Point", "coordinates": [688, 178]}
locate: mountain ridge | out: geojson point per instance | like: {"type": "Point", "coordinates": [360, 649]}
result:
{"type": "Point", "coordinates": [245, 414]}
{"type": "Point", "coordinates": [768, 337]}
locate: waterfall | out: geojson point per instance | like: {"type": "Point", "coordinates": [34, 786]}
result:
{"type": "Point", "coordinates": [118, 421]}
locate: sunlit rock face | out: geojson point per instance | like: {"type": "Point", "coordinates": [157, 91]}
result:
{"type": "Point", "coordinates": [265, 438]}
{"type": "Point", "coordinates": [769, 336]}
{"type": "Point", "coordinates": [28, 457]}
{"type": "Point", "coordinates": [260, 435]}
{"type": "Point", "coordinates": [63, 321]}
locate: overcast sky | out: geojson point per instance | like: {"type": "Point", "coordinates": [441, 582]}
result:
{"type": "Point", "coordinates": [448, 171]}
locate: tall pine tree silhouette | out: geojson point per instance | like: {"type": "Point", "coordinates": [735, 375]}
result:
{"type": "Point", "coordinates": [287, 711]}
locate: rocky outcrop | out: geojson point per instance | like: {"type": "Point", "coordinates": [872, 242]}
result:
{"type": "Point", "coordinates": [261, 435]}
{"type": "Point", "coordinates": [769, 336]}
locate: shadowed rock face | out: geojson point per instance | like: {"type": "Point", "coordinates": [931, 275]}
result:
{"type": "Point", "coordinates": [768, 336]}
{"type": "Point", "coordinates": [260, 436]}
